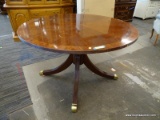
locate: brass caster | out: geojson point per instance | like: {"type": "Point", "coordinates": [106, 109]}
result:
{"type": "Point", "coordinates": [41, 73]}
{"type": "Point", "coordinates": [115, 77]}
{"type": "Point", "coordinates": [74, 108]}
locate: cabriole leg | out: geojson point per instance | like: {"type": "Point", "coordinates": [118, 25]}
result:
{"type": "Point", "coordinates": [152, 33]}
{"type": "Point", "coordinates": [60, 68]}
{"type": "Point", "coordinates": [96, 70]}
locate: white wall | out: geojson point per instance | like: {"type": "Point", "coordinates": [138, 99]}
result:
{"type": "Point", "coordinates": [98, 7]}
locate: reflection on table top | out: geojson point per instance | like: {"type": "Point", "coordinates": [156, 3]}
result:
{"type": "Point", "coordinates": [78, 33]}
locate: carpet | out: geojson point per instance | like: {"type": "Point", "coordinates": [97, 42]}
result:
{"type": "Point", "coordinates": [13, 89]}
{"type": "Point", "coordinates": [136, 92]}
{"type": "Point", "coordinates": [13, 56]}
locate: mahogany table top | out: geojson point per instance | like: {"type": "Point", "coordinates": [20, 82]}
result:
{"type": "Point", "coordinates": [77, 33]}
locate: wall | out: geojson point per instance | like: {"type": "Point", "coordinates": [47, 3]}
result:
{"type": "Point", "coordinates": [99, 7]}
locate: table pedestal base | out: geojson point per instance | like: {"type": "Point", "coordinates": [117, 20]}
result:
{"type": "Point", "coordinates": [77, 60]}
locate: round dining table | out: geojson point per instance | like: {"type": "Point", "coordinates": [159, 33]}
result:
{"type": "Point", "coordinates": [77, 35]}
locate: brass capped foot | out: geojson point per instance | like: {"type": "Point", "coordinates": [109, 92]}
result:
{"type": "Point", "coordinates": [115, 77]}
{"type": "Point", "coordinates": [74, 108]}
{"type": "Point", "coordinates": [41, 73]}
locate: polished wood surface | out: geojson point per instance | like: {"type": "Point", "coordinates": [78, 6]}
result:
{"type": "Point", "coordinates": [77, 33]}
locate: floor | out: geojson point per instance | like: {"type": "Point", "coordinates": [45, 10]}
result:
{"type": "Point", "coordinates": [134, 96]}
{"type": "Point", "coordinates": [4, 20]}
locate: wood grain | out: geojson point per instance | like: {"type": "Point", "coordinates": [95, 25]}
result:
{"type": "Point", "coordinates": [77, 33]}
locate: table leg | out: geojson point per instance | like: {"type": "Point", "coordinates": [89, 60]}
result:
{"type": "Point", "coordinates": [152, 33]}
{"type": "Point", "coordinates": [60, 68]}
{"type": "Point", "coordinates": [77, 62]}
{"type": "Point", "coordinates": [95, 70]}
